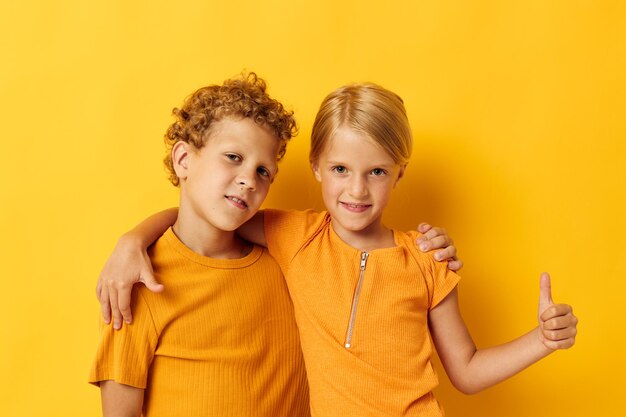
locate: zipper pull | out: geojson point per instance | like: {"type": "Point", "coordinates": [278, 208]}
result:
{"type": "Point", "coordinates": [364, 256]}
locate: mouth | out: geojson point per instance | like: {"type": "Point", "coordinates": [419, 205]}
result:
{"type": "Point", "coordinates": [237, 202]}
{"type": "Point", "coordinates": [355, 207]}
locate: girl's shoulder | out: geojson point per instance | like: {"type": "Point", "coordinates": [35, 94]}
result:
{"type": "Point", "coordinates": [408, 241]}
{"type": "Point", "coordinates": [296, 218]}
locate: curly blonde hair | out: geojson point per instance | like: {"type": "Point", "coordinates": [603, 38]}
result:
{"type": "Point", "coordinates": [240, 97]}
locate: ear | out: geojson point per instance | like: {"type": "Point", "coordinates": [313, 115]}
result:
{"type": "Point", "coordinates": [400, 174]}
{"type": "Point", "coordinates": [181, 154]}
{"type": "Point", "coordinates": [316, 171]}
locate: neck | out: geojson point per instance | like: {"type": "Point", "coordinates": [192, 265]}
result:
{"type": "Point", "coordinates": [374, 236]}
{"type": "Point", "coordinates": [206, 240]}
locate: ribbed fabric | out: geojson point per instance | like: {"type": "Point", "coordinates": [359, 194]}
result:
{"type": "Point", "coordinates": [221, 340]}
{"type": "Point", "coordinates": [387, 370]}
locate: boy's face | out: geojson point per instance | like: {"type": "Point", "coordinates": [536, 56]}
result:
{"type": "Point", "coordinates": [224, 183]}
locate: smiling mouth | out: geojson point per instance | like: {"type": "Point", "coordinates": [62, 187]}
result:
{"type": "Point", "coordinates": [355, 207]}
{"type": "Point", "coordinates": [237, 202]}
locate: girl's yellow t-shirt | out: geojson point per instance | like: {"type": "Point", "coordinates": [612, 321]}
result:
{"type": "Point", "coordinates": [362, 316]}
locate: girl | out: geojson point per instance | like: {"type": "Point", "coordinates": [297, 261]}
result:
{"type": "Point", "coordinates": [367, 301]}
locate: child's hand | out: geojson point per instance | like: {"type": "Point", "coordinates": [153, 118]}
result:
{"type": "Point", "coordinates": [437, 238]}
{"type": "Point", "coordinates": [128, 264]}
{"type": "Point", "coordinates": [557, 322]}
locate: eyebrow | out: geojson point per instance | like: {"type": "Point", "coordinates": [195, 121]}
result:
{"type": "Point", "coordinates": [386, 166]}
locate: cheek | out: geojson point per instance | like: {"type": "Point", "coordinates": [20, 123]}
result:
{"type": "Point", "coordinates": [263, 188]}
{"type": "Point", "coordinates": [383, 190]}
{"type": "Point", "coordinates": [331, 188]}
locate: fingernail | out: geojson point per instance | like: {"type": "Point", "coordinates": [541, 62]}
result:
{"type": "Point", "coordinates": [424, 246]}
{"type": "Point", "coordinates": [128, 321]}
{"type": "Point", "coordinates": [117, 325]}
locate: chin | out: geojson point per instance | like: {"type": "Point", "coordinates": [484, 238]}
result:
{"type": "Point", "coordinates": [354, 227]}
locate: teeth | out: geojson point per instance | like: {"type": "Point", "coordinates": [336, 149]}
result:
{"type": "Point", "coordinates": [238, 201]}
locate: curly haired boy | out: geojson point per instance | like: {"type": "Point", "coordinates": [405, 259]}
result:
{"type": "Point", "coordinates": [211, 344]}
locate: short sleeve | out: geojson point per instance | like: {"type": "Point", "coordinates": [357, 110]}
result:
{"type": "Point", "coordinates": [440, 280]}
{"type": "Point", "coordinates": [125, 355]}
{"type": "Point", "coordinates": [443, 282]}
{"type": "Point", "coordinates": [287, 231]}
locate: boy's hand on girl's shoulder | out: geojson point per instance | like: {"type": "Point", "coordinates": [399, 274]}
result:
{"type": "Point", "coordinates": [433, 238]}
{"type": "Point", "coordinates": [557, 322]}
{"type": "Point", "coordinates": [127, 265]}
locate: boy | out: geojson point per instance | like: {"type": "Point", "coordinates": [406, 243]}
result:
{"type": "Point", "coordinates": [212, 344]}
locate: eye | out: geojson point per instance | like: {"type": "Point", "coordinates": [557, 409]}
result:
{"type": "Point", "coordinates": [340, 169]}
{"type": "Point", "coordinates": [233, 157]}
{"type": "Point", "coordinates": [378, 172]}
{"type": "Point", "coordinates": [264, 172]}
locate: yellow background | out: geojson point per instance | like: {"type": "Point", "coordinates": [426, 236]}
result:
{"type": "Point", "coordinates": [518, 110]}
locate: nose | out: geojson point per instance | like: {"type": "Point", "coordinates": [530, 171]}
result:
{"type": "Point", "coordinates": [246, 180]}
{"type": "Point", "coordinates": [358, 187]}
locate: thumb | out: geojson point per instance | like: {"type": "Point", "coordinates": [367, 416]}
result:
{"type": "Point", "coordinates": [150, 282]}
{"type": "Point", "coordinates": [545, 292]}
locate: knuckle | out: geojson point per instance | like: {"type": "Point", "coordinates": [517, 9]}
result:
{"type": "Point", "coordinates": [121, 285]}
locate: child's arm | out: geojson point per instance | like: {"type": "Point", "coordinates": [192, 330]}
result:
{"type": "Point", "coordinates": [120, 400]}
{"type": "Point", "coordinates": [471, 370]}
{"type": "Point", "coordinates": [129, 263]}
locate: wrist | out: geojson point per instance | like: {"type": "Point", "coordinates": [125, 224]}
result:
{"type": "Point", "coordinates": [132, 240]}
{"type": "Point", "coordinates": [542, 343]}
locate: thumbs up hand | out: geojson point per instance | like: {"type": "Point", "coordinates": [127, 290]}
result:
{"type": "Point", "coordinates": [557, 322]}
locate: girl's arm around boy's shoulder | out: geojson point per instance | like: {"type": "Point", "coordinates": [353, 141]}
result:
{"type": "Point", "coordinates": [470, 369]}
{"type": "Point", "coordinates": [119, 400]}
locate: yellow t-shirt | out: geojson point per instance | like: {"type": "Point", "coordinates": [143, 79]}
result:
{"type": "Point", "coordinates": [221, 340]}
{"type": "Point", "coordinates": [362, 317]}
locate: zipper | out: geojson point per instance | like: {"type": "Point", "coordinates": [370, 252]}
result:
{"type": "Point", "coordinates": [355, 300]}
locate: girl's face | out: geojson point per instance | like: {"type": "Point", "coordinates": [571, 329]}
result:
{"type": "Point", "coordinates": [357, 176]}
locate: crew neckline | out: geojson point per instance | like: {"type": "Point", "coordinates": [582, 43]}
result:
{"type": "Point", "coordinates": [223, 263]}
{"type": "Point", "coordinates": [335, 237]}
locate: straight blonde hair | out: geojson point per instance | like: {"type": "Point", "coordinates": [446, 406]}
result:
{"type": "Point", "coordinates": [369, 109]}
